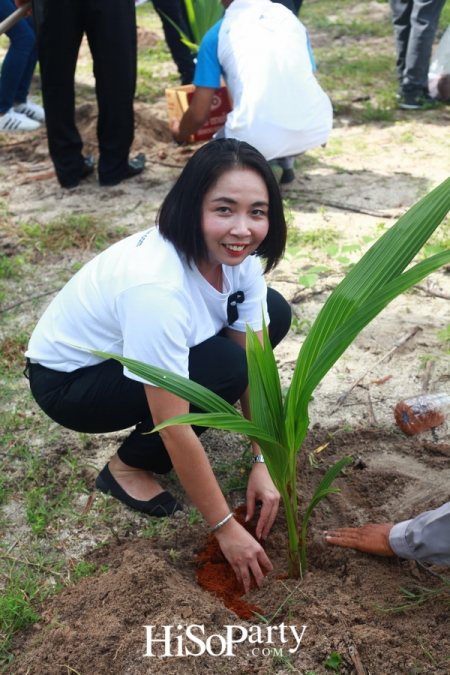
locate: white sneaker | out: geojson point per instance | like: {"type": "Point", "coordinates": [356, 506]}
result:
{"type": "Point", "coordinates": [32, 110]}
{"type": "Point", "coordinates": [14, 121]}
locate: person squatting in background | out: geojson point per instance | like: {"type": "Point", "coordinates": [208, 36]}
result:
{"type": "Point", "coordinates": [111, 32]}
{"type": "Point", "coordinates": [175, 11]}
{"type": "Point", "coordinates": [178, 296]}
{"type": "Point", "coordinates": [262, 50]}
{"type": "Point", "coordinates": [17, 112]}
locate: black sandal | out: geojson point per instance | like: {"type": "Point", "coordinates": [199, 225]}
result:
{"type": "Point", "coordinates": [160, 506]}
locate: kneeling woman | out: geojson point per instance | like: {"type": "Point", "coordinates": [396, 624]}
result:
{"type": "Point", "coordinates": [168, 297]}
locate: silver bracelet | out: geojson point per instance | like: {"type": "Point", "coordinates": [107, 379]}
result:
{"type": "Point", "coordinates": [258, 459]}
{"type": "Point", "coordinates": [222, 522]}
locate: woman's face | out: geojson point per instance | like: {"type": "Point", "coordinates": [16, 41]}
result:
{"type": "Point", "coordinates": [235, 217]}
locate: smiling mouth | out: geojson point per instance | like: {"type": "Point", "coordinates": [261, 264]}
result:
{"type": "Point", "coordinates": [237, 248]}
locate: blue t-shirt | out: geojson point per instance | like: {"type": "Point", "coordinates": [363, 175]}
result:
{"type": "Point", "coordinates": [208, 70]}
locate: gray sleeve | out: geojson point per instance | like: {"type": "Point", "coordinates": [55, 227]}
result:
{"type": "Point", "coordinates": [425, 538]}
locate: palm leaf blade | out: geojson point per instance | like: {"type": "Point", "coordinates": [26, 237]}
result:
{"type": "Point", "coordinates": [385, 260]}
{"type": "Point", "coordinates": [180, 386]}
{"type": "Point", "coordinates": [266, 402]}
{"type": "Point", "coordinates": [346, 333]}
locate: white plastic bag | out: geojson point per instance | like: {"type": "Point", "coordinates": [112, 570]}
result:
{"type": "Point", "coordinates": [439, 72]}
{"type": "Point", "coordinates": [440, 63]}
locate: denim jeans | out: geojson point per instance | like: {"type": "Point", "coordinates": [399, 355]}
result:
{"type": "Point", "coordinates": [20, 60]}
{"type": "Point", "coordinates": [415, 23]}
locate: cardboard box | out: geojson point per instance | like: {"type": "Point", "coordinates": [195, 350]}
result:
{"type": "Point", "coordinates": [179, 99]}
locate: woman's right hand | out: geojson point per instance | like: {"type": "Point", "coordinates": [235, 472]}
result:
{"type": "Point", "coordinates": [244, 554]}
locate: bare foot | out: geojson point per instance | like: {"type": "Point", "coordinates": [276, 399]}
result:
{"type": "Point", "coordinates": [138, 483]}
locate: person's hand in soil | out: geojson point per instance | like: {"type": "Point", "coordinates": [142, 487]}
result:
{"type": "Point", "coordinates": [369, 539]}
{"type": "Point", "coordinates": [245, 555]}
{"type": "Point", "coordinates": [261, 487]}
{"type": "Point", "coordinates": [191, 464]}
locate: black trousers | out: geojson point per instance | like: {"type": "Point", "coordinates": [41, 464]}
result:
{"type": "Point", "coordinates": [110, 26]}
{"type": "Point", "coordinates": [181, 54]}
{"type": "Point", "coordinates": [101, 399]}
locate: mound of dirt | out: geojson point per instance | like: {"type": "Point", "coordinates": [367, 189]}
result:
{"type": "Point", "coordinates": [346, 599]}
{"type": "Point", "coordinates": [147, 38]}
{"type": "Point", "coordinates": [149, 129]}
{"type": "Point", "coordinates": [99, 624]}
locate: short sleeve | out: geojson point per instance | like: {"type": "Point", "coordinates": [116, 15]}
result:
{"type": "Point", "coordinates": [155, 323]}
{"type": "Point", "coordinates": [207, 70]}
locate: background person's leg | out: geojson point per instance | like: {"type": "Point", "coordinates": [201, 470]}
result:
{"type": "Point", "coordinates": [111, 32]}
{"type": "Point", "coordinates": [424, 22]}
{"type": "Point", "coordinates": [59, 30]}
{"type": "Point", "coordinates": [181, 54]}
{"type": "Point", "coordinates": [287, 164]}
{"type": "Point", "coordinates": [401, 15]}
{"type": "Point", "coordinates": [25, 82]}
{"type": "Point", "coordinates": [20, 60]}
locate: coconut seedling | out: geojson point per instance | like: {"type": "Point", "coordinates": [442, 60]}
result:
{"type": "Point", "coordinates": [202, 15]}
{"type": "Point", "coordinates": [279, 425]}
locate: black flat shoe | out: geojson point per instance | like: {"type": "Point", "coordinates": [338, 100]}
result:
{"type": "Point", "coordinates": [87, 168]}
{"type": "Point", "coordinates": [160, 506]}
{"type": "Point", "coordinates": [134, 168]}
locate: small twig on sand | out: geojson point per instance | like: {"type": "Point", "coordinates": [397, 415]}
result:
{"type": "Point", "coordinates": [87, 507]}
{"type": "Point", "coordinates": [35, 297]}
{"type": "Point", "coordinates": [352, 650]}
{"type": "Point", "coordinates": [372, 418]}
{"type": "Point", "coordinates": [12, 145]}
{"type": "Point", "coordinates": [382, 380]}
{"type": "Point", "coordinates": [397, 345]}
{"type": "Point", "coordinates": [115, 535]}
{"type": "Point", "coordinates": [301, 296]}
{"type": "Point", "coordinates": [355, 657]}
{"type": "Point", "coordinates": [171, 166]}
{"type": "Point", "coordinates": [427, 375]}
{"type": "Point", "coordinates": [34, 177]}
{"type": "Point", "coordinates": [434, 574]}
{"type": "Point", "coordinates": [343, 207]}
{"type": "Point", "coordinates": [435, 294]}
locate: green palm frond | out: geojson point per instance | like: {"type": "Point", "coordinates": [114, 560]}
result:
{"type": "Point", "coordinates": [180, 386]}
{"type": "Point", "coordinates": [202, 15]}
{"type": "Point", "coordinates": [362, 291]}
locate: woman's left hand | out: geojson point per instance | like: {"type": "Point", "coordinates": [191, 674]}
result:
{"type": "Point", "coordinates": [260, 486]}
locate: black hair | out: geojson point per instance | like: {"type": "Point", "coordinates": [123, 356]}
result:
{"type": "Point", "coordinates": [180, 216]}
